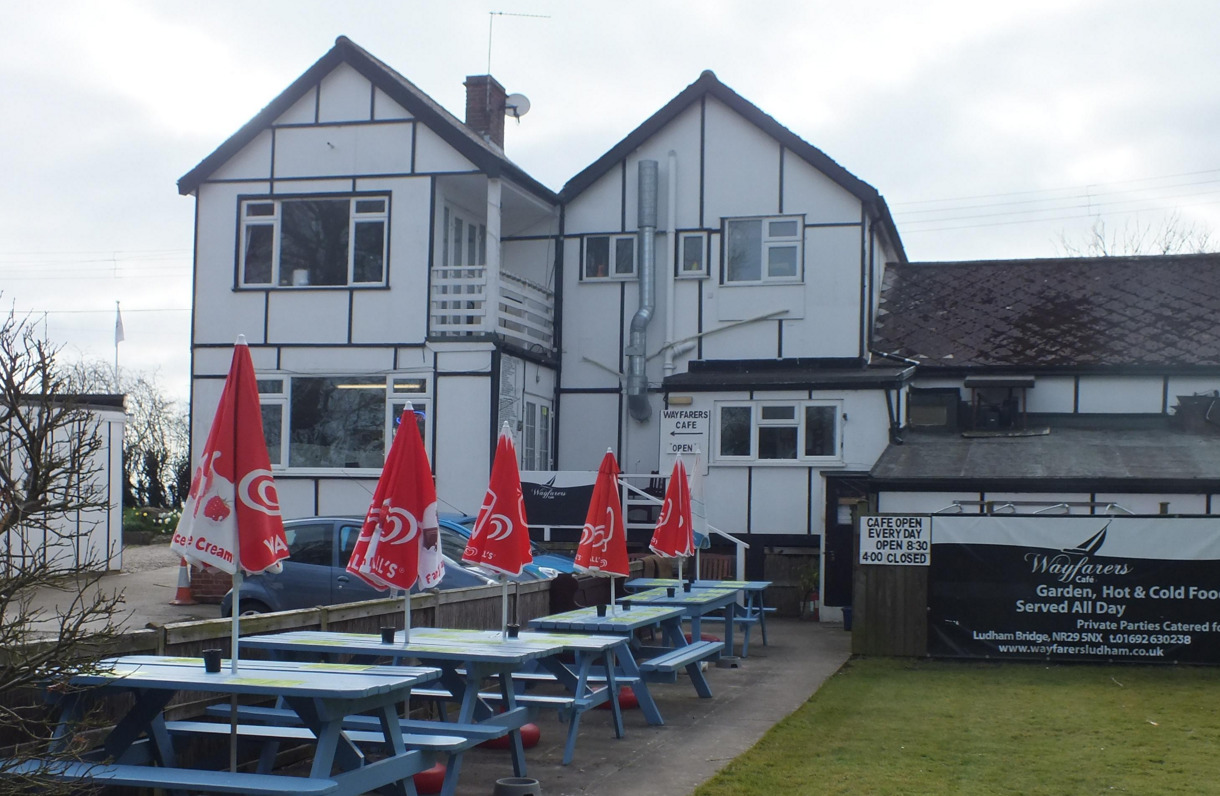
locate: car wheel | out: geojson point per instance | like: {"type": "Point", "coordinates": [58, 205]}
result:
{"type": "Point", "coordinates": [253, 608]}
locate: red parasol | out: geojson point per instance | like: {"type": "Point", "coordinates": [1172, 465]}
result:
{"type": "Point", "coordinates": [231, 519]}
{"type": "Point", "coordinates": [399, 545]}
{"type": "Point", "coordinates": [603, 540]}
{"type": "Point", "coordinates": [501, 538]}
{"type": "Point", "coordinates": [674, 535]}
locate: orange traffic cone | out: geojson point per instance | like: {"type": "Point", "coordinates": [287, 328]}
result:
{"type": "Point", "coordinates": [183, 597]}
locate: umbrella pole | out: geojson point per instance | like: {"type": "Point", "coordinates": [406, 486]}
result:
{"type": "Point", "coordinates": [237, 578]}
{"type": "Point", "coordinates": [233, 631]}
{"type": "Point", "coordinates": [680, 568]}
{"type": "Point", "coordinates": [406, 628]}
{"type": "Point", "coordinates": [503, 607]}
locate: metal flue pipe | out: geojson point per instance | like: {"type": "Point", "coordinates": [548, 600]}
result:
{"type": "Point", "coordinates": [637, 379]}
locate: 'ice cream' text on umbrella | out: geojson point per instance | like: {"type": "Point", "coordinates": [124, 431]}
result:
{"type": "Point", "coordinates": [500, 541]}
{"type": "Point", "coordinates": [674, 535]}
{"type": "Point", "coordinates": [603, 539]}
{"type": "Point", "coordinates": [399, 544]}
{"type": "Point", "coordinates": [231, 519]}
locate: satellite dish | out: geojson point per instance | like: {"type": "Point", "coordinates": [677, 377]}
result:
{"type": "Point", "coordinates": [516, 105]}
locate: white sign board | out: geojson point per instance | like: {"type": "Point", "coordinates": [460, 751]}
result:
{"type": "Point", "coordinates": [901, 541]}
{"type": "Point", "coordinates": [684, 431]}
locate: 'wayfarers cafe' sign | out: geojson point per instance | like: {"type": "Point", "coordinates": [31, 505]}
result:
{"type": "Point", "coordinates": [1092, 588]}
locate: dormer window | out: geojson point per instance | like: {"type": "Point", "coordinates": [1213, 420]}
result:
{"type": "Point", "coordinates": [314, 241]}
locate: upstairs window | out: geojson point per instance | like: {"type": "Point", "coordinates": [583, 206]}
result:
{"type": "Point", "coordinates": [692, 254]}
{"type": "Point", "coordinates": [609, 257]}
{"type": "Point", "coordinates": [314, 241]}
{"type": "Point", "coordinates": [759, 250]}
{"type": "Point", "coordinates": [778, 431]}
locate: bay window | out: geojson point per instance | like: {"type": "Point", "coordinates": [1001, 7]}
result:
{"type": "Point", "coordinates": [338, 422]}
{"type": "Point", "coordinates": [763, 249]}
{"type": "Point", "coordinates": [778, 431]}
{"type": "Point", "coordinates": [315, 241]}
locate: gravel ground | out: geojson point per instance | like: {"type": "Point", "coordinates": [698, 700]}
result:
{"type": "Point", "coordinates": [141, 558]}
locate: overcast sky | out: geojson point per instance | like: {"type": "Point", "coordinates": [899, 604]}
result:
{"type": "Point", "coordinates": [993, 130]}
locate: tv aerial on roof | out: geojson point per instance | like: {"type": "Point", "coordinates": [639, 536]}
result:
{"type": "Point", "coordinates": [516, 105]}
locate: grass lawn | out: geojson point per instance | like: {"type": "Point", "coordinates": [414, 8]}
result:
{"type": "Point", "coordinates": [884, 726]}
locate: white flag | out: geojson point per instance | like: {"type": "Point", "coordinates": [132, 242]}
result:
{"type": "Point", "coordinates": [118, 325]}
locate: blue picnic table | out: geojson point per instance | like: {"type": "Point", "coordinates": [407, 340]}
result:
{"type": "Point", "coordinates": [650, 664]}
{"type": "Point", "coordinates": [694, 604]}
{"type": "Point", "coordinates": [464, 667]}
{"type": "Point", "coordinates": [749, 611]}
{"type": "Point", "coordinates": [596, 658]}
{"type": "Point", "coordinates": [319, 696]}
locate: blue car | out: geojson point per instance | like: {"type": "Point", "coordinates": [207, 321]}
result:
{"type": "Point", "coordinates": [315, 573]}
{"type": "Point", "coordinates": [546, 565]}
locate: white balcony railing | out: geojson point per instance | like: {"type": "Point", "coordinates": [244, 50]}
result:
{"type": "Point", "coordinates": [524, 312]}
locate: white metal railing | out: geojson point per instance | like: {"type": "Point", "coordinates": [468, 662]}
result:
{"type": "Point", "coordinates": [524, 312]}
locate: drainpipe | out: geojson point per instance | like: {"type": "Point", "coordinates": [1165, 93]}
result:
{"type": "Point", "coordinates": [637, 379]}
{"type": "Point", "coordinates": [671, 242]}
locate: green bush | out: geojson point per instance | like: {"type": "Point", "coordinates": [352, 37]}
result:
{"type": "Point", "coordinates": [143, 518]}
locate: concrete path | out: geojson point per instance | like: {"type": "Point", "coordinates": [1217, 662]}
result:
{"type": "Point", "coordinates": [700, 736]}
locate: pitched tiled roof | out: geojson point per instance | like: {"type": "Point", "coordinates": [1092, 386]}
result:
{"type": "Point", "coordinates": [1074, 312]}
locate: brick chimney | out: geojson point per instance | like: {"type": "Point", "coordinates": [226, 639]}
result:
{"type": "Point", "coordinates": [485, 107]}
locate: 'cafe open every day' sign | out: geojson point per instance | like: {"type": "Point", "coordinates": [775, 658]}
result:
{"type": "Point", "coordinates": [901, 541]}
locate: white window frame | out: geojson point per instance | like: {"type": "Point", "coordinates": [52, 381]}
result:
{"type": "Point", "coordinates": [683, 272]}
{"type": "Point", "coordinates": [796, 420]}
{"type": "Point", "coordinates": [356, 215]}
{"type": "Point", "coordinates": [768, 241]}
{"type": "Point", "coordinates": [612, 266]}
{"type": "Point", "coordinates": [462, 252]}
{"type": "Point", "coordinates": [398, 389]}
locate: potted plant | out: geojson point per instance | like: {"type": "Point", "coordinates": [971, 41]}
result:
{"type": "Point", "coordinates": [809, 595]}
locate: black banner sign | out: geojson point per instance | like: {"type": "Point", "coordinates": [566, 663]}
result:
{"type": "Point", "coordinates": [1096, 588]}
{"type": "Point", "coordinates": [557, 498]}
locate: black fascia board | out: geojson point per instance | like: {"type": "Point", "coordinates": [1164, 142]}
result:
{"type": "Point", "coordinates": [1201, 485]}
{"type": "Point", "coordinates": [928, 370]}
{"type": "Point", "coordinates": [396, 87]}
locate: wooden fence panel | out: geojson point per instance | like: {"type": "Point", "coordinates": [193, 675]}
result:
{"type": "Point", "coordinates": [890, 611]}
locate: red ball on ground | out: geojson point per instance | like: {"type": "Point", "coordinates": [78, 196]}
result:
{"type": "Point", "coordinates": [530, 736]}
{"type": "Point", "coordinates": [626, 700]}
{"type": "Point", "coordinates": [431, 780]}
{"type": "Point", "coordinates": [702, 637]}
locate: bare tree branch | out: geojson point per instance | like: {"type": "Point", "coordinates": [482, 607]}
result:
{"type": "Point", "coordinates": [52, 497]}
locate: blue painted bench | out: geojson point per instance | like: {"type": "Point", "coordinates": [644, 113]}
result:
{"type": "Point", "coordinates": [269, 732]}
{"type": "Point", "coordinates": [179, 779]}
{"type": "Point", "coordinates": [665, 667]}
{"type": "Point", "coordinates": [473, 734]}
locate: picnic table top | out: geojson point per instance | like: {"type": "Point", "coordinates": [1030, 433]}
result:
{"type": "Point", "coordinates": [618, 620]}
{"type": "Point", "coordinates": [569, 641]}
{"type": "Point", "coordinates": [487, 649]}
{"type": "Point", "coordinates": [652, 583]}
{"type": "Point", "coordinates": [287, 678]}
{"type": "Point", "coordinates": [709, 597]}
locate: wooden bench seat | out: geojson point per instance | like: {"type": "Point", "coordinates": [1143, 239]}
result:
{"type": "Point", "coordinates": [664, 667]}
{"type": "Point", "coordinates": [185, 779]}
{"type": "Point", "coordinates": [473, 733]}
{"type": "Point", "coordinates": [272, 732]}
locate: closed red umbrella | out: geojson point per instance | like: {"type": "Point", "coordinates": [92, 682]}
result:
{"type": "Point", "coordinates": [674, 534]}
{"type": "Point", "coordinates": [500, 541]}
{"type": "Point", "coordinates": [399, 544]}
{"type": "Point", "coordinates": [231, 518]}
{"type": "Point", "coordinates": [603, 540]}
